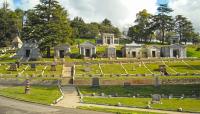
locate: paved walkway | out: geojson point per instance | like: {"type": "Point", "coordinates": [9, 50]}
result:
{"type": "Point", "coordinates": [71, 98]}
{"type": "Point", "coordinates": [10, 106]}
{"type": "Point", "coordinates": [67, 71]}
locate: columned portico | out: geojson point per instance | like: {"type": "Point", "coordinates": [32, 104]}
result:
{"type": "Point", "coordinates": [87, 49]}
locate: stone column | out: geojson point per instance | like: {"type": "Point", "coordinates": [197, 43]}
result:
{"type": "Point", "coordinates": [84, 51]}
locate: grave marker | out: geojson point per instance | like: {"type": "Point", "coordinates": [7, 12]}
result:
{"type": "Point", "coordinates": [13, 67]}
{"type": "Point", "coordinates": [53, 67]}
{"type": "Point", "coordinates": [156, 99]}
{"type": "Point", "coordinates": [95, 82]}
{"type": "Point", "coordinates": [33, 67]}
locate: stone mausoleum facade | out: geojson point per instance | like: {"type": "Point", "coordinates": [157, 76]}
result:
{"type": "Point", "coordinates": [61, 51]}
{"type": "Point", "coordinates": [87, 49]}
{"type": "Point", "coordinates": [29, 50]}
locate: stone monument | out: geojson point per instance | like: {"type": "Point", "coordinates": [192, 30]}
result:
{"type": "Point", "coordinates": [156, 99]}
{"type": "Point", "coordinates": [13, 67]}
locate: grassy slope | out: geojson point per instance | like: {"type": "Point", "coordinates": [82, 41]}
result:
{"type": "Point", "coordinates": [38, 94]}
{"type": "Point", "coordinates": [167, 104]}
{"type": "Point", "coordinates": [116, 111]}
{"type": "Point", "coordinates": [192, 52]}
{"type": "Point", "coordinates": [142, 90]}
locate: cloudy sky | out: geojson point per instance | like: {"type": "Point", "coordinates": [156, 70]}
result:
{"type": "Point", "coordinates": [120, 12]}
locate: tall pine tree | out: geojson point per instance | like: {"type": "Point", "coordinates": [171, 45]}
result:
{"type": "Point", "coordinates": [48, 24]}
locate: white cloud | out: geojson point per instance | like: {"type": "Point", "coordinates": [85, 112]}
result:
{"type": "Point", "coordinates": [189, 9]}
{"type": "Point", "coordinates": [120, 12]}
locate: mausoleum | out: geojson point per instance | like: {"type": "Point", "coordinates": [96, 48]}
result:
{"type": "Point", "coordinates": [153, 51]}
{"type": "Point", "coordinates": [87, 49]}
{"type": "Point", "coordinates": [132, 50]}
{"type": "Point", "coordinates": [61, 51]}
{"type": "Point", "coordinates": [111, 51]}
{"type": "Point", "coordinates": [108, 39]}
{"type": "Point", "coordinates": [174, 51]}
{"type": "Point", "coordinates": [29, 50]}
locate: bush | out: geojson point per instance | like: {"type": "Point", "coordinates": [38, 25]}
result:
{"type": "Point", "coordinates": [198, 49]}
{"type": "Point", "coordinates": [77, 56]}
{"type": "Point", "coordinates": [94, 56]}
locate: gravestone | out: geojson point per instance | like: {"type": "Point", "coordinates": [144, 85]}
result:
{"type": "Point", "coordinates": [27, 86]}
{"type": "Point", "coordinates": [170, 96]}
{"type": "Point", "coordinates": [13, 67]}
{"type": "Point", "coordinates": [163, 70]}
{"type": "Point", "coordinates": [33, 67]}
{"type": "Point", "coordinates": [156, 99]}
{"type": "Point", "coordinates": [157, 81]}
{"type": "Point", "coordinates": [95, 82]}
{"type": "Point", "coordinates": [53, 67]}
{"type": "Point", "coordinates": [18, 64]}
{"type": "Point", "coordinates": [87, 67]}
{"type": "Point", "coordinates": [127, 84]}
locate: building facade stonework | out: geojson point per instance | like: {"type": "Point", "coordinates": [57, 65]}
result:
{"type": "Point", "coordinates": [17, 43]}
{"type": "Point", "coordinates": [111, 51]}
{"type": "Point", "coordinates": [174, 51]}
{"type": "Point", "coordinates": [87, 49]}
{"type": "Point", "coordinates": [132, 50]}
{"type": "Point", "coordinates": [29, 50]}
{"type": "Point", "coordinates": [61, 51]}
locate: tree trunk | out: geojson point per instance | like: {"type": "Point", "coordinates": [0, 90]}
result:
{"type": "Point", "coordinates": [163, 36]}
{"type": "Point", "coordinates": [48, 52]}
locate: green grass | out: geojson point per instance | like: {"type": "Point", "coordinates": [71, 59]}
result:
{"type": "Point", "coordinates": [82, 40]}
{"type": "Point", "coordinates": [38, 71]}
{"type": "Point", "coordinates": [38, 94]}
{"type": "Point", "coordinates": [116, 111]}
{"type": "Point", "coordinates": [195, 65]}
{"type": "Point", "coordinates": [187, 104]}
{"type": "Point", "coordinates": [94, 69]}
{"type": "Point", "coordinates": [192, 51]}
{"type": "Point", "coordinates": [7, 58]}
{"type": "Point", "coordinates": [112, 69]}
{"type": "Point", "coordinates": [146, 91]}
{"type": "Point", "coordinates": [58, 71]}
{"type": "Point", "coordinates": [136, 69]}
{"type": "Point", "coordinates": [180, 67]}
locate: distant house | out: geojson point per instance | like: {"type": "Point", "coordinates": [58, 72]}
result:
{"type": "Point", "coordinates": [111, 51]}
{"type": "Point", "coordinates": [61, 51]}
{"type": "Point", "coordinates": [29, 50]}
{"type": "Point", "coordinates": [17, 43]}
{"type": "Point", "coordinates": [87, 49]}
{"type": "Point", "coordinates": [153, 51]}
{"type": "Point", "coordinates": [108, 39]}
{"type": "Point", "coordinates": [132, 50]}
{"type": "Point", "coordinates": [174, 50]}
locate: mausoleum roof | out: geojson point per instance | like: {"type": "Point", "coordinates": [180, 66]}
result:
{"type": "Point", "coordinates": [17, 40]}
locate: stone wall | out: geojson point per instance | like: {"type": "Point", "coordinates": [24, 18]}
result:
{"type": "Point", "coordinates": [18, 82]}
{"type": "Point", "coordinates": [88, 82]}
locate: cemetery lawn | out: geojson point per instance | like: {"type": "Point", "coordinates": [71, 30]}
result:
{"type": "Point", "coordinates": [38, 94]}
{"type": "Point", "coordinates": [116, 111]}
{"type": "Point", "coordinates": [145, 91]}
{"type": "Point", "coordinates": [187, 104]}
{"type": "Point", "coordinates": [192, 52]}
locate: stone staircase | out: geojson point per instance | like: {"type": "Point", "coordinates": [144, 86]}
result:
{"type": "Point", "coordinates": [67, 75]}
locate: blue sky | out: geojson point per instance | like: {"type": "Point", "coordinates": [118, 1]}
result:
{"type": "Point", "coordinates": [122, 13]}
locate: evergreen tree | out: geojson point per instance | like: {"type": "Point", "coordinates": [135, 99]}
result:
{"type": "Point", "coordinates": [48, 24]}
